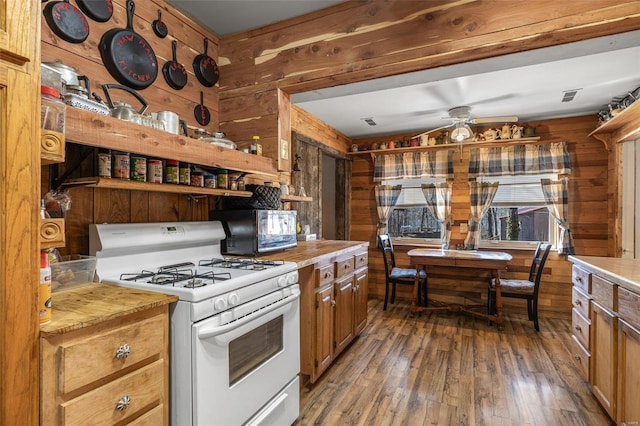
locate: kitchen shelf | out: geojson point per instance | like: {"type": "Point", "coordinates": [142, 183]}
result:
{"type": "Point", "coordinates": [294, 199]}
{"type": "Point", "coordinates": [485, 144]}
{"type": "Point", "coordinates": [51, 147]}
{"type": "Point", "coordinates": [87, 128]}
{"type": "Point", "coordinates": [132, 185]}
{"type": "Point", "coordinates": [623, 127]}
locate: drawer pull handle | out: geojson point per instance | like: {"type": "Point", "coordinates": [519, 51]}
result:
{"type": "Point", "coordinates": [578, 302]}
{"type": "Point", "coordinates": [123, 351]}
{"type": "Point", "coordinates": [123, 403]}
{"type": "Point", "coordinates": [577, 357]}
{"type": "Point", "coordinates": [346, 266]}
{"type": "Point", "coordinates": [327, 275]}
{"type": "Point", "coordinates": [333, 303]}
{"type": "Point", "coordinates": [579, 279]}
{"type": "Point", "coordinates": [578, 328]}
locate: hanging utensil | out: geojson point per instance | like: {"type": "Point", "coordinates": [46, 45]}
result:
{"type": "Point", "coordinates": [66, 21]}
{"type": "Point", "coordinates": [127, 56]}
{"type": "Point", "coordinates": [174, 72]}
{"type": "Point", "coordinates": [205, 68]}
{"type": "Point", "coordinates": [201, 112]}
{"type": "Point", "coordinates": [159, 27]}
{"type": "Point", "coordinates": [98, 10]}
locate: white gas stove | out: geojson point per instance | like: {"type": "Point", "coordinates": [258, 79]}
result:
{"type": "Point", "coordinates": [234, 331]}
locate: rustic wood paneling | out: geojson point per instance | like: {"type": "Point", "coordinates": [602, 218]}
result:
{"type": "Point", "coordinates": [306, 124]}
{"type": "Point", "coordinates": [588, 217]}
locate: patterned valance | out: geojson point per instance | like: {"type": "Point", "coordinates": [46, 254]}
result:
{"type": "Point", "coordinates": [516, 160]}
{"type": "Point", "coordinates": [414, 165]}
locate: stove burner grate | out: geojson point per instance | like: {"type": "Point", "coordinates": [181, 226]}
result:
{"type": "Point", "coordinates": [240, 263]}
{"type": "Point", "coordinates": [175, 275]}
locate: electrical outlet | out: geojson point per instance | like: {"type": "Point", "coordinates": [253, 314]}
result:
{"type": "Point", "coordinates": [463, 228]}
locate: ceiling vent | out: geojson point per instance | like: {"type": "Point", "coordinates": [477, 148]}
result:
{"type": "Point", "coordinates": [369, 121]}
{"type": "Point", "coordinates": [569, 95]}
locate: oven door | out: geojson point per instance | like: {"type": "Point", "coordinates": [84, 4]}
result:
{"type": "Point", "coordinates": [244, 363]}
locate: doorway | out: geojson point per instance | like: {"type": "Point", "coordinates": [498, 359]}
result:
{"type": "Point", "coordinates": [630, 243]}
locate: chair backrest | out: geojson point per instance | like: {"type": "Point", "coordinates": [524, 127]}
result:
{"type": "Point", "coordinates": [539, 259]}
{"type": "Point", "coordinates": [386, 246]}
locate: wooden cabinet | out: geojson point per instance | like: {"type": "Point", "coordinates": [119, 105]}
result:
{"type": "Point", "coordinates": [611, 287]}
{"type": "Point", "coordinates": [110, 371]}
{"type": "Point", "coordinates": [333, 308]}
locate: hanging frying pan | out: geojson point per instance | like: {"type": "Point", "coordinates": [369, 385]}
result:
{"type": "Point", "coordinates": [201, 112]}
{"type": "Point", "coordinates": [159, 27]}
{"type": "Point", "coordinates": [127, 56]}
{"type": "Point", "coordinates": [98, 10]}
{"type": "Point", "coordinates": [205, 68]}
{"type": "Point", "coordinates": [66, 21]}
{"type": "Point", "coordinates": [174, 72]}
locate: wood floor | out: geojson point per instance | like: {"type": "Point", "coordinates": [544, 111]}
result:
{"type": "Point", "coordinates": [452, 369]}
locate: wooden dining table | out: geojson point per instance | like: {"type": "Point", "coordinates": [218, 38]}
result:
{"type": "Point", "coordinates": [491, 261]}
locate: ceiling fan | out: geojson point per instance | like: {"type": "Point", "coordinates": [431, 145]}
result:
{"type": "Point", "coordinates": [461, 119]}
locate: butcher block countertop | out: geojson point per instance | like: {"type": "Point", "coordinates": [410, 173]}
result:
{"type": "Point", "coordinates": [94, 303]}
{"type": "Point", "coordinates": [311, 252]}
{"type": "Point", "coordinates": [624, 272]}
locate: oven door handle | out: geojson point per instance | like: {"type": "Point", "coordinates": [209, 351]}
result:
{"type": "Point", "coordinates": [274, 309]}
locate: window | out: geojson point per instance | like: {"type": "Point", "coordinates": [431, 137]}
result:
{"type": "Point", "coordinates": [518, 213]}
{"type": "Point", "coordinates": [411, 218]}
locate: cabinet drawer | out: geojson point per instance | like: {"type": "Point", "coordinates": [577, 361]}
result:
{"type": "Point", "coordinates": [143, 387]}
{"type": "Point", "coordinates": [325, 275]}
{"type": "Point", "coordinates": [83, 361]}
{"type": "Point", "coordinates": [581, 278]}
{"type": "Point", "coordinates": [362, 259]}
{"type": "Point", "coordinates": [604, 292]}
{"type": "Point", "coordinates": [629, 306]}
{"type": "Point", "coordinates": [580, 327]}
{"type": "Point", "coordinates": [581, 302]}
{"type": "Point", "coordinates": [345, 266]}
{"type": "Point", "coordinates": [152, 417]}
{"type": "Point", "coordinates": [580, 357]}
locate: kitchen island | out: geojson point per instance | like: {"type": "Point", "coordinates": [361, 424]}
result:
{"type": "Point", "coordinates": [334, 281]}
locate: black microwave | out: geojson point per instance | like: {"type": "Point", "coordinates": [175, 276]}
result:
{"type": "Point", "coordinates": [255, 232]}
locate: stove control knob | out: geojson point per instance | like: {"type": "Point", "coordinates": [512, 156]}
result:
{"type": "Point", "coordinates": [282, 281]}
{"type": "Point", "coordinates": [233, 299]}
{"type": "Point", "coordinates": [292, 278]}
{"type": "Point", "coordinates": [220, 304]}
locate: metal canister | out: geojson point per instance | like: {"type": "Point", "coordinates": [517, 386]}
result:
{"type": "Point", "coordinates": [104, 163]}
{"type": "Point", "coordinates": [223, 179]}
{"type": "Point", "coordinates": [138, 169]}
{"type": "Point", "coordinates": [210, 181]}
{"type": "Point", "coordinates": [197, 179]}
{"type": "Point", "coordinates": [121, 164]}
{"type": "Point", "coordinates": [171, 171]}
{"type": "Point", "coordinates": [154, 171]}
{"type": "Point", "coordinates": [185, 174]}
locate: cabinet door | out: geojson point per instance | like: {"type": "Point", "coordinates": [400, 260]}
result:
{"type": "Point", "coordinates": [343, 293]}
{"type": "Point", "coordinates": [360, 298]}
{"type": "Point", "coordinates": [628, 374]}
{"type": "Point", "coordinates": [324, 330]}
{"type": "Point", "coordinates": [604, 357]}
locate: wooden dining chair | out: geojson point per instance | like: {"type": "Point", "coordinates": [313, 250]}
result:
{"type": "Point", "coordinates": [523, 289]}
{"type": "Point", "coordinates": [395, 275]}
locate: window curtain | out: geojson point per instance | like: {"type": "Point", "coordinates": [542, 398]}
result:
{"type": "Point", "coordinates": [519, 160]}
{"type": "Point", "coordinates": [438, 197]}
{"type": "Point", "coordinates": [386, 198]}
{"type": "Point", "coordinates": [556, 195]}
{"type": "Point", "coordinates": [481, 195]}
{"type": "Point", "coordinates": [411, 165]}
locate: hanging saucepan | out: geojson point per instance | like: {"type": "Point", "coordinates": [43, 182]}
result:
{"type": "Point", "coordinates": [206, 68]}
{"type": "Point", "coordinates": [66, 21]}
{"type": "Point", "coordinates": [127, 55]}
{"type": "Point", "coordinates": [98, 10]}
{"type": "Point", "coordinates": [201, 112]}
{"type": "Point", "coordinates": [159, 27]}
{"type": "Point", "coordinates": [174, 72]}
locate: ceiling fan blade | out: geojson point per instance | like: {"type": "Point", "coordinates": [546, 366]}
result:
{"type": "Point", "coordinates": [498, 119]}
{"type": "Point", "coordinates": [431, 131]}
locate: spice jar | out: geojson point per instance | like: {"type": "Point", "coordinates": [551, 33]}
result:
{"type": "Point", "coordinates": [240, 183]}
{"type": "Point", "coordinates": [185, 174]}
{"type": "Point", "coordinates": [171, 171]}
{"type": "Point", "coordinates": [138, 168]}
{"type": "Point", "coordinates": [210, 181]}
{"type": "Point", "coordinates": [197, 179]}
{"type": "Point", "coordinates": [52, 110]}
{"type": "Point", "coordinates": [121, 164]}
{"type": "Point", "coordinates": [104, 163]}
{"type": "Point", "coordinates": [223, 179]}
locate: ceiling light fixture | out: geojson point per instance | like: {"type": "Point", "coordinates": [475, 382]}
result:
{"type": "Point", "coordinates": [461, 132]}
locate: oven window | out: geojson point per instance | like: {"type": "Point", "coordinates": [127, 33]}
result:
{"type": "Point", "coordinates": [248, 352]}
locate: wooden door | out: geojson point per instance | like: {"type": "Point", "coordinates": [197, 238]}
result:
{"type": "Point", "coordinates": [360, 298]}
{"type": "Point", "coordinates": [628, 374]}
{"type": "Point", "coordinates": [604, 357]}
{"type": "Point", "coordinates": [324, 330]}
{"type": "Point", "coordinates": [343, 325]}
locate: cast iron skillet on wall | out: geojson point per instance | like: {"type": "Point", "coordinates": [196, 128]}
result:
{"type": "Point", "coordinates": [205, 68]}
{"type": "Point", "coordinates": [98, 10]}
{"type": "Point", "coordinates": [174, 73]}
{"type": "Point", "coordinates": [66, 21]}
{"type": "Point", "coordinates": [128, 57]}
